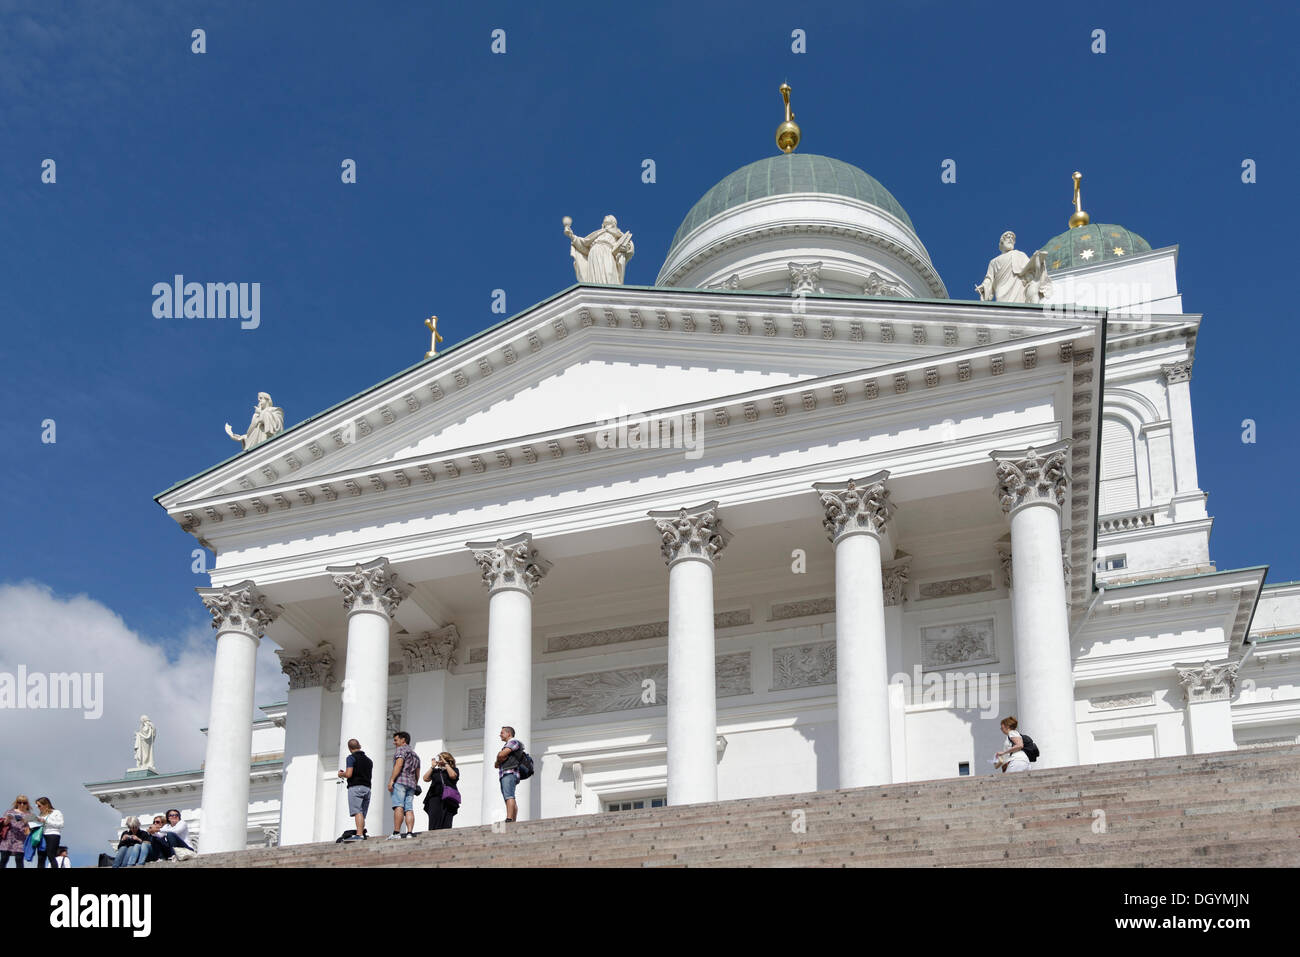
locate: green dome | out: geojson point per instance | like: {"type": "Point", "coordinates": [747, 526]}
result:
{"type": "Point", "coordinates": [1094, 243]}
{"type": "Point", "coordinates": [789, 173]}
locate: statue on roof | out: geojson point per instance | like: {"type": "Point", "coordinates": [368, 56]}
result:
{"type": "Point", "coordinates": [268, 422]}
{"type": "Point", "coordinates": [1014, 277]}
{"type": "Point", "coordinates": [144, 738]}
{"type": "Point", "coordinates": [602, 256]}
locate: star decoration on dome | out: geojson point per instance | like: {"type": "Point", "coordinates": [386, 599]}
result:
{"type": "Point", "coordinates": [1117, 251]}
{"type": "Point", "coordinates": [1086, 254]}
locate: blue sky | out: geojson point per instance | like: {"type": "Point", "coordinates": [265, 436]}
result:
{"type": "Point", "coordinates": [225, 166]}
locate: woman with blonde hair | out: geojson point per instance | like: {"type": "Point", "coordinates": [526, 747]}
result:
{"type": "Point", "coordinates": [14, 826]}
{"type": "Point", "coordinates": [443, 800]}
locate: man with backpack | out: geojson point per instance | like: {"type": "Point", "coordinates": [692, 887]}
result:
{"type": "Point", "coordinates": [513, 765]}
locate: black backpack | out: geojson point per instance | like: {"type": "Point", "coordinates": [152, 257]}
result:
{"type": "Point", "coordinates": [1030, 749]}
{"type": "Point", "coordinates": [525, 765]}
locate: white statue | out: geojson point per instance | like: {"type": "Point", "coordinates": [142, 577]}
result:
{"type": "Point", "coordinates": [1014, 277]}
{"type": "Point", "coordinates": [268, 421]}
{"type": "Point", "coordinates": [144, 736]}
{"type": "Point", "coordinates": [602, 256]}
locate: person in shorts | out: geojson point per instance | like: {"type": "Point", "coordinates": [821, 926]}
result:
{"type": "Point", "coordinates": [508, 769]}
{"type": "Point", "coordinates": [357, 774]}
{"type": "Point", "coordinates": [403, 785]}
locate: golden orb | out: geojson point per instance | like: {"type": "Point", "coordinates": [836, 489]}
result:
{"type": "Point", "coordinates": [787, 134]}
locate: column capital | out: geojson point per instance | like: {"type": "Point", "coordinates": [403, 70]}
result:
{"type": "Point", "coordinates": [1208, 681]}
{"type": "Point", "coordinates": [1033, 476]}
{"type": "Point", "coordinates": [894, 576]}
{"type": "Point", "coordinates": [373, 586]}
{"type": "Point", "coordinates": [432, 651]}
{"type": "Point", "coordinates": [239, 608]}
{"type": "Point", "coordinates": [858, 505]}
{"type": "Point", "coordinates": [310, 668]}
{"type": "Point", "coordinates": [1177, 372]}
{"type": "Point", "coordinates": [510, 563]}
{"type": "Point", "coordinates": [687, 533]}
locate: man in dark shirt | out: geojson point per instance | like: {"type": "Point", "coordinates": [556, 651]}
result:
{"type": "Point", "coordinates": [357, 774]}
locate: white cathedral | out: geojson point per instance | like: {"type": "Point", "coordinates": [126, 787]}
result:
{"type": "Point", "coordinates": [791, 519]}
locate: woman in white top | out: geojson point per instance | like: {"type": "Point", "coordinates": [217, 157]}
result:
{"type": "Point", "coordinates": [53, 821]}
{"type": "Point", "coordinates": [1014, 757]}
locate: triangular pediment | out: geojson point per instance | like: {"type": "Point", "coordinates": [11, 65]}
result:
{"type": "Point", "coordinates": [591, 354]}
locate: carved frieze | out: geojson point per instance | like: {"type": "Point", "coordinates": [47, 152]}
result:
{"type": "Point", "coordinates": [628, 689]}
{"type": "Point", "coordinates": [965, 643]}
{"type": "Point", "coordinates": [1113, 702]}
{"type": "Point", "coordinates": [948, 588]}
{"type": "Point", "coordinates": [476, 707]}
{"type": "Point", "coordinates": [803, 609]}
{"type": "Point", "coordinates": [803, 666]}
{"type": "Point", "coordinates": [894, 576]}
{"type": "Point", "coordinates": [432, 651]}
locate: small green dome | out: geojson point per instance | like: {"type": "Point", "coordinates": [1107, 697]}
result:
{"type": "Point", "coordinates": [1094, 243]}
{"type": "Point", "coordinates": [789, 173]}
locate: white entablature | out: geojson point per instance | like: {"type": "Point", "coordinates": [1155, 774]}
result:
{"type": "Point", "coordinates": [922, 377]}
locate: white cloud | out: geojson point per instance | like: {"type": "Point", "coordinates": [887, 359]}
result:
{"type": "Point", "coordinates": [54, 752]}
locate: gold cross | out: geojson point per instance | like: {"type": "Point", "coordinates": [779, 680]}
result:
{"type": "Point", "coordinates": [432, 323]}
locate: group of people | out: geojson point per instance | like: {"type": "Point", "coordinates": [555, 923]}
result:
{"type": "Point", "coordinates": [166, 839]}
{"type": "Point", "coordinates": [26, 833]}
{"type": "Point", "coordinates": [442, 799]}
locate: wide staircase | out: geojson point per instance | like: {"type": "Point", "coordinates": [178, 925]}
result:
{"type": "Point", "coordinates": [1230, 809]}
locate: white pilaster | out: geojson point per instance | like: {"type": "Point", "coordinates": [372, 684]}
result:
{"type": "Point", "coordinates": [1031, 486]}
{"type": "Point", "coordinates": [691, 540]}
{"type": "Point", "coordinates": [511, 568]}
{"type": "Point", "coordinates": [371, 594]}
{"type": "Point", "coordinates": [1208, 688]}
{"type": "Point", "coordinates": [310, 673]}
{"type": "Point", "coordinates": [240, 615]}
{"type": "Point", "coordinates": [1178, 382]}
{"type": "Point", "coordinates": [856, 513]}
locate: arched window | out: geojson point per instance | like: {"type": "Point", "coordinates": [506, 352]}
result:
{"type": "Point", "coordinates": [1119, 485]}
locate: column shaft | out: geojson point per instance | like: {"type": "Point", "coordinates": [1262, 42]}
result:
{"type": "Point", "coordinates": [862, 670]}
{"type": "Point", "coordinates": [224, 824]}
{"type": "Point", "coordinates": [692, 686]}
{"type": "Point", "coordinates": [365, 714]}
{"type": "Point", "coordinates": [509, 697]}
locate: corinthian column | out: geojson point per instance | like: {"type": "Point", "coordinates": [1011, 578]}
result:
{"type": "Point", "coordinates": [371, 594]}
{"type": "Point", "coordinates": [856, 513]}
{"type": "Point", "coordinates": [512, 569]}
{"type": "Point", "coordinates": [240, 615]}
{"type": "Point", "coordinates": [1031, 486]}
{"type": "Point", "coordinates": [691, 540]}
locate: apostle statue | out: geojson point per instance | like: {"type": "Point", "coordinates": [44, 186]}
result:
{"type": "Point", "coordinates": [144, 736]}
{"type": "Point", "coordinates": [602, 256]}
{"type": "Point", "coordinates": [1014, 277]}
{"type": "Point", "coordinates": [268, 421]}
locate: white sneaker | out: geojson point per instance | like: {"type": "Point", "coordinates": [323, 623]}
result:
{"type": "Point", "coordinates": [393, 837]}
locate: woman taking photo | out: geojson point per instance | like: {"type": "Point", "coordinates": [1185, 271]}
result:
{"type": "Point", "coordinates": [14, 826]}
{"type": "Point", "coordinates": [443, 800]}
{"type": "Point", "coordinates": [53, 821]}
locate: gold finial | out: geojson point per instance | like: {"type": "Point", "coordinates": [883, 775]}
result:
{"type": "Point", "coordinates": [432, 323]}
{"type": "Point", "coordinates": [787, 134]}
{"type": "Point", "coordinates": [1080, 218]}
